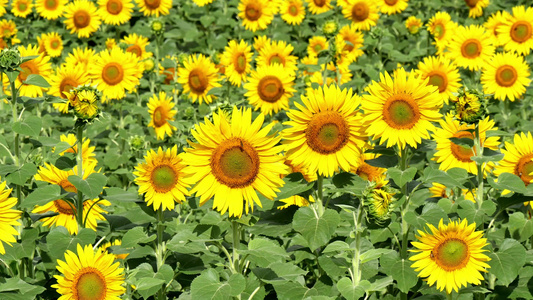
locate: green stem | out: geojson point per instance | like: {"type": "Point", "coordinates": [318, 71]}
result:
{"type": "Point", "coordinates": [79, 200]}
{"type": "Point", "coordinates": [478, 146]}
{"type": "Point", "coordinates": [357, 252]}
{"type": "Point", "coordinates": [405, 205]}
{"type": "Point", "coordinates": [160, 251]}
{"type": "Point", "coordinates": [18, 190]}
{"type": "Point", "coordinates": [449, 296]}
{"type": "Point", "coordinates": [236, 241]}
{"type": "Point", "coordinates": [320, 194]}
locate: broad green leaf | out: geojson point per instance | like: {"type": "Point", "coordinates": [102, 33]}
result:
{"type": "Point", "coordinates": [42, 195]}
{"type": "Point", "coordinates": [317, 230]}
{"type": "Point", "coordinates": [507, 261]}
{"type": "Point", "coordinates": [349, 183]}
{"type": "Point", "coordinates": [434, 175]}
{"type": "Point", "coordinates": [520, 227]}
{"type": "Point", "coordinates": [372, 254]}
{"type": "Point", "coordinates": [523, 290]}
{"type": "Point", "coordinates": [287, 290]}
{"type": "Point", "coordinates": [432, 213]}
{"type": "Point", "coordinates": [287, 271]}
{"type": "Point", "coordinates": [350, 291]}
{"type": "Point", "coordinates": [208, 286]}
{"type": "Point", "coordinates": [402, 177]}
{"type": "Point", "coordinates": [37, 80]}
{"type": "Point", "coordinates": [465, 142]}
{"type": "Point", "coordinates": [25, 290]}
{"type": "Point", "coordinates": [294, 184]}
{"type": "Point", "coordinates": [92, 186]}
{"type": "Point", "coordinates": [404, 275]}
{"type": "Point", "coordinates": [29, 126]}
{"type": "Point", "coordinates": [469, 210]}
{"type": "Point", "coordinates": [136, 236]}
{"type": "Point", "coordinates": [381, 284]}
{"type": "Point", "coordinates": [114, 194]}
{"type": "Point", "coordinates": [508, 181]}
{"type": "Point", "coordinates": [22, 175]}
{"type": "Point", "coordinates": [59, 240]}
{"type": "Point", "coordinates": [264, 252]}
{"type": "Point", "coordinates": [337, 246]}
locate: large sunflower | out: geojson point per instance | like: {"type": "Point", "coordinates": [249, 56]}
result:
{"type": "Point", "coordinates": [160, 109]}
{"type": "Point", "coordinates": [21, 8]}
{"type": "Point", "coordinates": [471, 47]}
{"type": "Point", "coordinates": [154, 7]}
{"type": "Point", "coordinates": [50, 9]}
{"type": "Point", "coordinates": [269, 89]}
{"type": "Point", "coordinates": [115, 72]}
{"type": "Point", "coordinates": [442, 73]}
{"type": "Point", "coordinates": [198, 76]}
{"type": "Point", "coordinates": [442, 28]}
{"type": "Point", "coordinates": [115, 12]}
{"type": "Point", "coordinates": [137, 45]}
{"type": "Point", "coordinates": [40, 65]}
{"type": "Point", "coordinates": [318, 6]}
{"type": "Point", "coordinates": [391, 7]}
{"type": "Point", "coordinates": [232, 160]}
{"type": "Point", "coordinates": [518, 158]}
{"type": "Point", "coordinates": [8, 217]}
{"type": "Point", "coordinates": [400, 110]}
{"type": "Point", "coordinates": [255, 14]}
{"type": "Point", "coordinates": [82, 18]}
{"type": "Point", "coordinates": [451, 155]}
{"type": "Point", "coordinates": [452, 255]}
{"type": "Point", "coordinates": [492, 24]}
{"type": "Point", "coordinates": [476, 7]}
{"type": "Point", "coordinates": [278, 53]}
{"type": "Point", "coordinates": [506, 76]}
{"type": "Point", "coordinates": [292, 11]}
{"type": "Point", "coordinates": [237, 58]}
{"type": "Point", "coordinates": [66, 77]}
{"type": "Point", "coordinates": [89, 274]}
{"type": "Point", "coordinates": [325, 133]}
{"type": "Point", "coordinates": [84, 57]}
{"type": "Point", "coordinates": [517, 31]}
{"type": "Point", "coordinates": [353, 42]}
{"type": "Point", "coordinates": [363, 13]}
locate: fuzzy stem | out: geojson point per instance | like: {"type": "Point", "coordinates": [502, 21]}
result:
{"type": "Point", "coordinates": [236, 241]}
{"type": "Point", "coordinates": [357, 252]}
{"type": "Point", "coordinates": [160, 251]}
{"type": "Point", "coordinates": [18, 190]}
{"type": "Point", "coordinates": [79, 202]}
{"type": "Point", "coordinates": [478, 146]}
{"type": "Point", "coordinates": [320, 194]}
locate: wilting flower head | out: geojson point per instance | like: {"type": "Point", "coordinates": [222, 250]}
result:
{"type": "Point", "coordinates": [469, 106]}
{"type": "Point", "coordinates": [84, 101]}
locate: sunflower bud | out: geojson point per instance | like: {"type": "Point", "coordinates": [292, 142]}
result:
{"type": "Point", "coordinates": [469, 106]}
{"type": "Point", "coordinates": [189, 112]}
{"type": "Point", "coordinates": [413, 24]}
{"type": "Point", "coordinates": [137, 143]}
{"type": "Point", "coordinates": [148, 64]}
{"type": "Point", "coordinates": [10, 59]}
{"type": "Point", "coordinates": [84, 100]}
{"type": "Point", "coordinates": [157, 27]}
{"type": "Point", "coordinates": [379, 202]}
{"type": "Point", "coordinates": [330, 28]}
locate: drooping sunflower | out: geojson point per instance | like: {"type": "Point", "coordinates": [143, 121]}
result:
{"type": "Point", "coordinates": [87, 151]}
{"type": "Point", "coordinates": [50, 9]}
{"type": "Point", "coordinates": [494, 22]}
{"type": "Point", "coordinates": [476, 7]}
{"type": "Point", "coordinates": [237, 58]}
{"type": "Point", "coordinates": [66, 77]}
{"type": "Point", "coordinates": [316, 45]}
{"type": "Point", "coordinates": [255, 14]}
{"type": "Point", "coordinates": [451, 155]}
{"type": "Point", "coordinates": [269, 88]}
{"type": "Point", "coordinates": [400, 109]}
{"type": "Point", "coordinates": [198, 76]}
{"type": "Point", "coordinates": [517, 31]}
{"type": "Point", "coordinates": [363, 13]}
{"type": "Point", "coordinates": [292, 12]}
{"type": "Point", "coordinates": [9, 217]}
{"type": "Point", "coordinates": [391, 7]}
{"type": "Point", "coordinates": [442, 73]}
{"type": "Point", "coordinates": [452, 255]}
{"type": "Point", "coordinates": [40, 65]}
{"type": "Point", "coordinates": [442, 28]}
{"type": "Point", "coordinates": [440, 191]}
{"type": "Point", "coordinates": [82, 18]}
{"type": "Point", "coordinates": [115, 12]}
{"type": "Point", "coordinates": [137, 45]}
{"type": "Point", "coordinates": [471, 47]}
{"type": "Point", "coordinates": [89, 274]}
{"type": "Point", "coordinates": [233, 159]}
{"type": "Point", "coordinates": [413, 24]}
{"type": "Point", "coordinates": [115, 72]}
{"type": "Point", "coordinates": [353, 42]}
{"type": "Point", "coordinates": [84, 57]}
{"type": "Point", "coordinates": [506, 76]}
{"type": "Point", "coordinates": [53, 44]}
{"type": "Point", "coordinates": [154, 7]}
{"type": "Point", "coordinates": [518, 158]}
{"type": "Point", "coordinates": [325, 133]}
{"type": "Point", "coordinates": [318, 6]}
{"type": "Point", "coordinates": [278, 52]}
{"type": "Point", "coordinates": [21, 8]}
{"type": "Point", "coordinates": [160, 109]}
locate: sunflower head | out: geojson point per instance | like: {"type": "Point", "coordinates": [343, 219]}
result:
{"type": "Point", "coordinates": [137, 142]}
{"type": "Point", "coordinates": [10, 59]}
{"type": "Point", "coordinates": [470, 106]}
{"type": "Point", "coordinates": [413, 24]}
{"type": "Point", "coordinates": [157, 26]}
{"type": "Point", "coordinates": [379, 203]}
{"type": "Point", "coordinates": [84, 100]}
{"type": "Point", "coordinates": [330, 28]}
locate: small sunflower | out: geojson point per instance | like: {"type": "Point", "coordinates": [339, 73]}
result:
{"type": "Point", "coordinates": [87, 151]}
{"type": "Point", "coordinates": [269, 88]}
{"type": "Point", "coordinates": [506, 76]}
{"type": "Point", "coordinates": [115, 12]}
{"type": "Point", "coordinates": [325, 133]}
{"type": "Point", "coordinates": [89, 274]}
{"type": "Point", "coordinates": [81, 57]}
{"type": "Point", "coordinates": [278, 53]}
{"type": "Point", "coordinates": [202, 2]}
{"type": "Point", "coordinates": [198, 76]}
{"type": "Point", "coordinates": [21, 8]}
{"type": "Point", "coordinates": [8, 29]}
{"type": "Point", "coordinates": [260, 41]}
{"type": "Point", "coordinates": [518, 158]}
{"type": "Point", "coordinates": [154, 7]}
{"type": "Point", "coordinates": [115, 242]}
{"type": "Point", "coordinates": [9, 217]}
{"type": "Point", "coordinates": [296, 200]}
{"type": "Point", "coordinates": [137, 45]}
{"type": "Point", "coordinates": [517, 31]}
{"type": "Point", "coordinates": [319, 6]}
{"type": "Point", "coordinates": [442, 28]}
{"type": "Point", "coordinates": [368, 172]}
{"type": "Point", "coordinates": [255, 14]}
{"type": "Point", "coordinates": [40, 65]}
{"type": "Point", "coordinates": [160, 109]}
{"type": "Point", "coordinates": [413, 24]}
{"type": "Point", "coordinates": [50, 9]}
{"type": "Point", "coordinates": [391, 7]}
{"type": "Point", "coordinates": [292, 12]}
{"type": "Point", "coordinates": [363, 13]}
{"type": "Point", "coordinates": [308, 176]}
{"type": "Point", "coordinates": [353, 42]}
{"type": "Point", "coordinates": [232, 160]}
{"type": "Point", "coordinates": [452, 255]}
{"type": "Point", "coordinates": [66, 77]}
{"type": "Point", "coordinates": [237, 58]}
{"type": "Point", "coordinates": [438, 190]}
{"type": "Point", "coordinates": [400, 110]}
{"type": "Point", "coordinates": [53, 44]}
{"type": "Point", "coordinates": [442, 73]}
{"type": "Point", "coordinates": [316, 45]}
{"type": "Point", "coordinates": [82, 18]}
{"type": "Point", "coordinates": [471, 47]}
{"type": "Point", "coordinates": [492, 24]}
{"type": "Point", "coordinates": [476, 7]}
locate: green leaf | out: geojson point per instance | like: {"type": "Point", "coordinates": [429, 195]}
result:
{"type": "Point", "coordinates": [317, 230]}
{"type": "Point", "coordinates": [37, 80]}
{"type": "Point", "coordinates": [507, 261]}
{"type": "Point", "coordinates": [12, 76]}
{"type": "Point", "coordinates": [383, 161]}
{"type": "Point", "coordinates": [350, 291]}
{"type": "Point", "coordinates": [337, 246]}
{"type": "Point", "coordinates": [520, 227]}
{"type": "Point", "coordinates": [26, 290]}
{"type": "Point", "coordinates": [30, 126]}
{"type": "Point", "coordinates": [264, 252]}
{"type": "Point", "coordinates": [42, 195]}
{"type": "Point", "coordinates": [59, 240]}
{"type": "Point", "coordinates": [92, 186]}
{"type": "Point", "coordinates": [445, 178]}
{"type": "Point", "coordinates": [114, 194]}
{"type": "Point", "coordinates": [404, 275]}
{"type": "Point", "coordinates": [294, 184]}
{"type": "Point", "coordinates": [349, 183]}
{"type": "Point", "coordinates": [508, 181]}
{"type": "Point", "coordinates": [208, 286]}
{"type": "Point", "coordinates": [373, 254]}
{"type": "Point", "coordinates": [22, 175]}
{"type": "Point", "coordinates": [432, 213]}
{"type": "Point", "coordinates": [465, 142]}
{"type": "Point", "coordinates": [402, 177]}
{"type": "Point", "coordinates": [288, 290]}
{"type": "Point", "coordinates": [287, 271]}
{"type": "Point", "coordinates": [136, 236]}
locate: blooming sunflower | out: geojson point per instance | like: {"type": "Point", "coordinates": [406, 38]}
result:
{"type": "Point", "coordinates": [40, 65]}
{"type": "Point", "coordinates": [506, 76]}
{"type": "Point", "coordinates": [517, 31]}
{"type": "Point", "coordinates": [471, 47]}
{"type": "Point", "coordinates": [368, 172]}
{"type": "Point", "coordinates": [198, 76]}
{"type": "Point", "coordinates": [202, 2]}
{"type": "Point", "coordinates": [413, 24]}
{"type": "Point", "coordinates": [87, 151]}
{"type": "Point", "coordinates": [82, 18]}
{"type": "Point", "coordinates": [8, 28]}
{"type": "Point", "coordinates": [452, 255]}
{"type": "Point", "coordinates": [518, 158]}
{"type": "Point", "coordinates": [442, 73]}
{"type": "Point", "coordinates": [160, 109]}
{"type": "Point", "coordinates": [154, 7]}
{"type": "Point", "coordinates": [115, 242]}
{"type": "Point", "coordinates": [363, 13]}
{"type": "Point", "coordinates": [308, 176]}
{"type": "Point", "coordinates": [236, 59]}
{"type": "Point", "coordinates": [438, 190]}
{"type": "Point", "coordinates": [50, 9]}
{"type": "Point", "coordinates": [278, 53]}
{"type": "Point", "coordinates": [3, 5]}
{"type": "Point", "coordinates": [318, 6]}
{"type": "Point", "coordinates": [137, 45]}
{"type": "Point", "coordinates": [255, 14]}
{"type": "Point", "coordinates": [260, 41]}
{"type": "Point", "coordinates": [400, 110]}
{"type": "Point", "coordinates": [21, 8]}
{"type": "Point", "coordinates": [296, 200]}
{"type": "Point", "coordinates": [391, 7]}
{"type": "Point", "coordinates": [326, 131]}
{"type": "Point", "coordinates": [89, 274]}
{"type": "Point", "coordinates": [53, 44]}
{"type": "Point", "coordinates": [353, 42]}
{"type": "Point", "coordinates": [232, 160]}
{"type": "Point", "coordinates": [442, 28]}
{"type": "Point", "coordinates": [316, 45]}
{"type": "Point", "coordinates": [115, 12]}
{"type": "Point", "coordinates": [82, 57]}
{"type": "Point", "coordinates": [451, 155]}
{"type": "Point", "coordinates": [269, 88]}
{"type": "Point", "coordinates": [292, 12]}
{"type": "Point", "coordinates": [66, 77]}
{"type": "Point", "coordinates": [476, 7]}
{"type": "Point", "coordinates": [494, 22]}
{"type": "Point", "coordinates": [115, 72]}
{"type": "Point", "coordinates": [161, 178]}
{"type": "Point", "coordinates": [9, 217]}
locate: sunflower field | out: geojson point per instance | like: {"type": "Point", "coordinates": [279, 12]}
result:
{"type": "Point", "coordinates": [266, 149]}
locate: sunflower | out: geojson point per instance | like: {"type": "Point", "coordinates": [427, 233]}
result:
{"type": "Point", "coordinates": [160, 109]}
{"type": "Point", "coordinates": [161, 178]}
{"type": "Point", "coordinates": [368, 172]}
{"type": "Point", "coordinates": [476, 7]}
{"type": "Point", "coordinates": [89, 274]}
{"type": "Point", "coordinates": [3, 5]}
{"type": "Point", "coordinates": [66, 77]}
{"type": "Point", "coordinates": [137, 45]}
{"type": "Point", "coordinates": [237, 58]}
{"type": "Point", "coordinates": [269, 89]}
{"type": "Point", "coordinates": [255, 14]}
{"type": "Point", "coordinates": [53, 44]}
{"type": "Point", "coordinates": [506, 76]}
{"type": "Point", "coordinates": [9, 217]}
{"type": "Point", "coordinates": [451, 155]}
{"type": "Point", "coordinates": [451, 255]}
{"type": "Point", "coordinates": [50, 9]}
{"type": "Point", "coordinates": [400, 110]}
{"type": "Point", "coordinates": [517, 31]}
{"type": "Point", "coordinates": [308, 176]}
{"type": "Point", "coordinates": [202, 2]}
{"type": "Point", "coordinates": [260, 41]}
{"type": "Point", "coordinates": [518, 158]}
{"type": "Point", "coordinates": [115, 242]}
{"type": "Point", "coordinates": [87, 151]}
{"type": "Point", "coordinates": [198, 76]}
{"type": "Point", "coordinates": [308, 63]}
{"type": "Point", "coordinates": [438, 190]}
{"type": "Point", "coordinates": [471, 47]}
{"type": "Point", "coordinates": [81, 57]}
{"type": "Point", "coordinates": [338, 74]}
{"type": "Point", "coordinates": [154, 7]}
{"type": "Point", "coordinates": [413, 24]}
{"type": "Point", "coordinates": [40, 65]}
{"type": "Point", "coordinates": [494, 22]}
{"type": "Point", "coordinates": [353, 42]}
{"type": "Point", "coordinates": [442, 28]}
{"type": "Point", "coordinates": [363, 13]}
{"type": "Point", "coordinates": [325, 133]}
{"type": "Point", "coordinates": [296, 200]}
{"type": "Point", "coordinates": [232, 160]}
{"type": "Point", "coordinates": [292, 12]}
{"type": "Point", "coordinates": [278, 52]}
{"type": "Point", "coordinates": [8, 29]}
{"type": "Point", "coordinates": [442, 73]}
{"type": "Point", "coordinates": [82, 18]}
{"type": "Point", "coordinates": [391, 7]}
{"type": "Point", "coordinates": [319, 6]}
{"type": "Point", "coordinates": [115, 72]}
{"type": "Point", "coordinates": [21, 8]}
{"type": "Point", "coordinates": [115, 12]}
{"type": "Point", "coordinates": [316, 45]}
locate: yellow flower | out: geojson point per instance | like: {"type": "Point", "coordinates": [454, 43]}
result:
{"type": "Point", "coordinates": [82, 18]}
{"type": "Point", "coordinates": [255, 14]}
{"type": "Point", "coordinates": [160, 108]}
{"type": "Point", "coordinates": [413, 24]}
{"type": "Point", "coordinates": [296, 200]}
{"type": "Point", "coordinates": [21, 8]}
{"type": "Point", "coordinates": [236, 59]}
{"type": "Point", "coordinates": [353, 40]}
{"type": "Point", "coordinates": [198, 76]}
{"type": "Point", "coordinates": [518, 158]}
{"type": "Point", "coordinates": [137, 45]}
{"type": "Point", "coordinates": [476, 7]}
{"type": "Point", "coordinates": [115, 242]}
{"type": "Point", "coordinates": [52, 44]}
{"type": "Point", "coordinates": [10, 217]}
{"type": "Point", "coordinates": [363, 13]}
{"type": "Point", "coordinates": [87, 151]}
{"type": "Point", "coordinates": [202, 2]}
{"type": "Point", "coordinates": [66, 78]}
{"type": "Point", "coordinates": [517, 31]}
{"type": "Point", "coordinates": [442, 73]}
{"type": "Point", "coordinates": [442, 28]}
{"type": "Point", "coordinates": [154, 7]}
{"type": "Point", "coordinates": [50, 9]}
{"type": "Point", "coordinates": [494, 22]}
{"type": "Point", "coordinates": [440, 191]}
{"type": "Point", "coordinates": [260, 41]}
{"type": "Point", "coordinates": [319, 6]}
{"type": "Point", "coordinates": [292, 11]}
{"type": "Point", "coordinates": [115, 12]}
{"type": "Point", "coordinates": [391, 7]}
{"type": "Point", "coordinates": [316, 45]}
{"type": "Point", "coordinates": [368, 172]}
{"type": "Point", "coordinates": [81, 57]}
{"type": "Point", "coordinates": [506, 76]}
{"type": "Point", "coordinates": [40, 65]}
{"type": "Point", "coordinates": [471, 47]}
{"type": "Point", "coordinates": [278, 53]}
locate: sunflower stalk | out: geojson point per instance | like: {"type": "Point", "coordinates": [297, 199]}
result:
{"type": "Point", "coordinates": [79, 200]}
{"type": "Point", "coordinates": [405, 205]}
{"type": "Point", "coordinates": [18, 189]}
{"type": "Point", "coordinates": [356, 274]}
{"type": "Point", "coordinates": [480, 166]}
{"type": "Point", "coordinates": [236, 241]}
{"type": "Point", "coordinates": [320, 195]}
{"type": "Point", "coordinates": [160, 251]}
{"type": "Point", "coordinates": [449, 296]}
